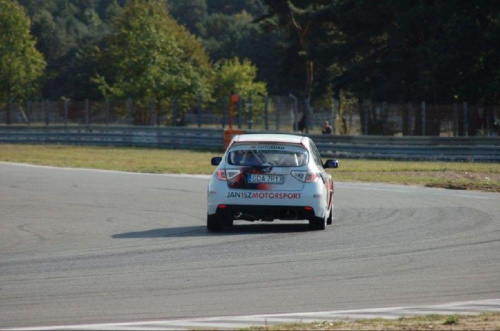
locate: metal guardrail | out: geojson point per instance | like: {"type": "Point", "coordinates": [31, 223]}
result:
{"type": "Point", "coordinates": [486, 149]}
{"type": "Point", "coordinates": [159, 137]}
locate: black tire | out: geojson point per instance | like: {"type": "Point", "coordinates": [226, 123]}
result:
{"type": "Point", "coordinates": [214, 223]}
{"type": "Point", "coordinates": [317, 223]}
{"type": "Point", "coordinates": [329, 221]}
{"type": "Point", "coordinates": [228, 222]}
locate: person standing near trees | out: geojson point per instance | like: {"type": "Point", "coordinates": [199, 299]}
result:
{"type": "Point", "coordinates": [327, 128]}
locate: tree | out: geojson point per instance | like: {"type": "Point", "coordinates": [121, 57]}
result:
{"type": "Point", "coordinates": [150, 56]}
{"type": "Point", "coordinates": [191, 13]}
{"type": "Point", "coordinates": [254, 7]}
{"type": "Point", "coordinates": [310, 24]}
{"type": "Point", "coordinates": [66, 31]}
{"type": "Point", "coordinates": [235, 76]}
{"type": "Point", "coordinates": [238, 77]}
{"type": "Point", "coordinates": [435, 51]}
{"type": "Point", "coordinates": [21, 65]}
{"type": "Point", "coordinates": [226, 36]}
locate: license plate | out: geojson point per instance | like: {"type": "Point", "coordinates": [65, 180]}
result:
{"type": "Point", "coordinates": [267, 179]}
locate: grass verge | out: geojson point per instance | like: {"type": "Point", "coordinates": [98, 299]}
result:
{"type": "Point", "coordinates": [454, 175]}
{"type": "Point", "coordinates": [489, 321]}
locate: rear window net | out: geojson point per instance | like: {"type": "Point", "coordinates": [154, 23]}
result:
{"type": "Point", "coordinates": [286, 157]}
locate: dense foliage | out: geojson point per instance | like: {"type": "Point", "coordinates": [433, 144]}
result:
{"type": "Point", "coordinates": [440, 51]}
{"type": "Point", "coordinates": [150, 56]}
{"type": "Point", "coordinates": [66, 32]}
{"type": "Point", "coordinates": [21, 65]}
{"type": "Point", "coordinates": [238, 76]}
{"type": "Point", "coordinates": [435, 50]}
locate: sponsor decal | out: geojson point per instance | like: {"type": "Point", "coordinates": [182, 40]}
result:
{"type": "Point", "coordinates": [273, 147]}
{"type": "Point", "coordinates": [264, 195]}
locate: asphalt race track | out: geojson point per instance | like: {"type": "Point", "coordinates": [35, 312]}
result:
{"type": "Point", "coordinates": [83, 246]}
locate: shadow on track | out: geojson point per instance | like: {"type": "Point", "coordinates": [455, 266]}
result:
{"type": "Point", "coordinates": [201, 231]}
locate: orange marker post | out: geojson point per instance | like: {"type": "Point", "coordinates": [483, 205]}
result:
{"type": "Point", "coordinates": [233, 101]}
{"type": "Point", "coordinates": [230, 133]}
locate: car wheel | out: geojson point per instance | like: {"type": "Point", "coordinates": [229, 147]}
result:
{"type": "Point", "coordinates": [214, 223]}
{"type": "Point", "coordinates": [329, 221]}
{"type": "Point", "coordinates": [317, 223]}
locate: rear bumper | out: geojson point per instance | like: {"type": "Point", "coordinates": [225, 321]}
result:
{"type": "Point", "coordinates": [266, 213]}
{"type": "Point", "coordinates": [272, 202]}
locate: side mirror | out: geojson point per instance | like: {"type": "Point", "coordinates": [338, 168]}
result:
{"type": "Point", "coordinates": [216, 160]}
{"type": "Point", "coordinates": [334, 164]}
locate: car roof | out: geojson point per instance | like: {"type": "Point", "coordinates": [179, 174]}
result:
{"type": "Point", "coordinates": [271, 138]}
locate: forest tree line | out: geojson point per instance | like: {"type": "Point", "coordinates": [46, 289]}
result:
{"type": "Point", "coordinates": [439, 51]}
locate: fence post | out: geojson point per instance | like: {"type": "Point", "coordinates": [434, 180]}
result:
{"type": "Point", "coordinates": [130, 118]}
{"type": "Point", "coordinates": [224, 107]}
{"type": "Point", "coordinates": [174, 112]}
{"type": "Point", "coordinates": [295, 112]}
{"type": "Point", "coordinates": [87, 112]}
{"type": "Point", "coordinates": [410, 131]}
{"type": "Point", "coordinates": [8, 111]}
{"type": "Point", "coordinates": [266, 113]}
{"type": "Point", "coordinates": [107, 111]}
{"type": "Point", "coordinates": [486, 114]}
{"type": "Point", "coordinates": [278, 107]}
{"type": "Point", "coordinates": [406, 129]}
{"type": "Point", "coordinates": [240, 111]}
{"type": "Point", "coordinates": [423, 118]}
{"type": "Point", "coordinates": [250, 115]}
{"type": "Point", "coordinates": [366, 111]}
{"type": "Point", "coordinates": [335, 111]}
{"type": "Point", "coordinates": [306, 115]}
{"type": "Point", "coordinates": [455, 119]}
{"type": "Point", "coordinates": [200, 99]}
{"type": "Point", "coordinates": [384, 117]}
{"type": "Point", "coordinates": [150, 111]}
{"type": "Point", "coordinates": [42, 114]}
{"type": "Point", "coordinates": [28, 112]}
{"type": "Point", "coordinates": [46, 111]}
{"type": "Point", "coordinates": [466, 119]}
{"type": "Point", "coordinates": [66, 112]}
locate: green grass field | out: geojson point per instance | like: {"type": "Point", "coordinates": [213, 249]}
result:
{"type": "Point", "coordinates": [456, 175]}
{"type": "Point", "coordinates": [488, 321]}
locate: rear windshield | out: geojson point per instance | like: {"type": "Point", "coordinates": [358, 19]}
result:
{"type": "Point", "coordinates": [275, 155]}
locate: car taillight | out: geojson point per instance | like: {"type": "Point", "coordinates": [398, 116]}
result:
{"type": "Point", "coordinates": [231, 173]}
{"type": "Point", "coordinates": [227, 174]}
{"type": "Point", "coordinates": [311, 177]}
{"type": "Point", "coordinates": [221, 175]}
{"type": "Point", "coordinates": [305, 176]}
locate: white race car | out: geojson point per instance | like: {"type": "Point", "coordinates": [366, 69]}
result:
{"type": "Point", "coordinates": [264, 177]}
